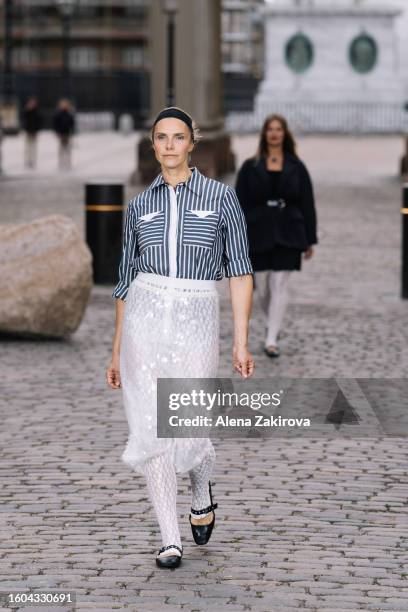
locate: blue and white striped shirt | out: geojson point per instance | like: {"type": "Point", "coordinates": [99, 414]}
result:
{"type": "Point", "coordinates": [196, 230]}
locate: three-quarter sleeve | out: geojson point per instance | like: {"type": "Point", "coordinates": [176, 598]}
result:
{"type": "Point", "coordinates": [236, 259]}
{"type": "Point", "coordinates": [307, 205]}
{"type": "Point", "coordinates": [127, 272]}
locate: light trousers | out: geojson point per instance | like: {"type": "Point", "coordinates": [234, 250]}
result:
{"type": "Point", "coordinates": [64, 152]}
{"type": "Point", "coordinates": [30, 150]}
{"type": "Point", "coordinates": [272, 287]}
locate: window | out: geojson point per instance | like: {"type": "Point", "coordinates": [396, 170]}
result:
{"type": "Point", "coordinates": [238, 21]}
{"type": "Point", "coordinates": [136, 11]}
{"type": "Point", "coordinates": [225, 19]}
{"type": "Point", "coordinates": [241, 55]}
{"type": "Point", "coordinates": [84, 58]}
{"type": "Point", "coordinates": [363, 53]}
{"type": "Point", "coordinates": [25, 56]}
{"type": "Point", "coordinates": [133, 57]}
{"type": "Point", "coordinates": [299, 53]}
{"type": "Point", "coordinates": [226, 52]}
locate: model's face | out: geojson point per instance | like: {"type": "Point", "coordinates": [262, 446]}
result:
{"type": "Point", "coordinates": [275, 134]}
{"type": "Point", "coordinates": [172, 143]}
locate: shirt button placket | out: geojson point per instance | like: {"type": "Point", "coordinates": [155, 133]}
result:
{"type": "Point", "coordinates": [168, 300]}
{"type": "Point", "coordinates": [173, 232]}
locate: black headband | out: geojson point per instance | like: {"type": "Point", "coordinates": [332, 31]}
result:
{"type": "Point", "coordinates": [177, 114]}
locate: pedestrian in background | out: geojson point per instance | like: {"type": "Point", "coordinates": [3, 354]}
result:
{"type": "Point", "coordinates": [32, 123]}
{"type": "Point", "coordinates": [182, 234]}
{"type": "Point", "coordinates": [64, 126]}
{"type": "Point", "coordinates": [275, 191]}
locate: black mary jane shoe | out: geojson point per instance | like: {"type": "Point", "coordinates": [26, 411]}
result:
{"type": "Point", "coordinates": [273, 353]}
{"type": "Point", "coordinates": [169, 561]}
{"type": "Point", "coordinates": [202, 533]}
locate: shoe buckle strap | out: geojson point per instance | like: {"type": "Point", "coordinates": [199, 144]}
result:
{"type": "Point", "coordinates": [163, 548]}
{"type": "Point", "coordinates": [205, 510]}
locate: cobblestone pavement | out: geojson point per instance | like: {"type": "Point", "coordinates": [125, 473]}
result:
{"type": "Point", "coordinates": [302, 524]}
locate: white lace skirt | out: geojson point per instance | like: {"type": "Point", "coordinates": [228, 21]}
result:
{"type": "Point", "coordinates": [170, 330]}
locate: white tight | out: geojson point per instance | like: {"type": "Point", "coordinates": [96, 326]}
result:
{"type": "Point", "coordinates": [199, 477]}
{"type": "Point", "coordinates": [162, 487]}
{"type": "Point", "coordinates": [273, 295]}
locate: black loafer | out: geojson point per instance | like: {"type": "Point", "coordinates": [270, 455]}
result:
{"type": "Point", "coordinates": [202, 533]}
{"type": "Point", "coordinates": [169, 561]}
{"type": "Point", "coordinates": [272, 353]}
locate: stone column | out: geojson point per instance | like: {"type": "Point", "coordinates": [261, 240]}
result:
{"type": "Point", "coordinates": [9, 120]}
{"type": "Point", "coordinates": [198, 85]}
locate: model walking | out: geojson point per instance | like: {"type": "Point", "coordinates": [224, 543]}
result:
{"type": "Point", "coordinates": [181, 234]}
{"type": "Point", "coordinates": [64, 126]}
{"type": "Point", "coordinates": [32, 123]}
{"type": "Point", "coordinates": [276, 194]}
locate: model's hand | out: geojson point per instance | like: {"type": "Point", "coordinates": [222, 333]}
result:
{"type": "Point", "coordinates": [243, 361]}
{"type": "Point", "coordinates": [309, 253]}
{"type": "Point", "coordinates": [113, 374]}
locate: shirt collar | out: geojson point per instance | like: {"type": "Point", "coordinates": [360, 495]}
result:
{"type": "Point", "coordinates": [195, 183]}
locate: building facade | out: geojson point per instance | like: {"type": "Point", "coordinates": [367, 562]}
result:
{"type": "Point", "coordinates": [332, 66]}
{"type": "Point", "coordinates": [242, 52]}
{"type": "Point", "coordinates": [99, 55]}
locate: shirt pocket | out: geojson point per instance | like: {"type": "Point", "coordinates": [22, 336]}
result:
{"type": "Point", "coordinates": [150, 230]}
{"type": "Point", "coordinates": [200, 227]}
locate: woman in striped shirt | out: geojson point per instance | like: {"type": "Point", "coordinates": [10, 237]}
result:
{"type": "Point", "coordinates": [181, 235]}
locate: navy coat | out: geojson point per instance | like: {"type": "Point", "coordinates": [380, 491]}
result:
{"type": "Point", "coordinates": [294, 226]}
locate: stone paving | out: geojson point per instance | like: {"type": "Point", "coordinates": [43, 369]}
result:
{"type": "Point", "coordinates": [319, 525]}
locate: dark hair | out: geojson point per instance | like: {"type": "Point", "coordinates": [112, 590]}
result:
{"type": "Point", "coordinates": [289, 143]}
{"type": "Point", "coordinates": [178, 113]}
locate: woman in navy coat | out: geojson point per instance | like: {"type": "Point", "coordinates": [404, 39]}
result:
{"type": "Point", "coordinates": [276, 193]}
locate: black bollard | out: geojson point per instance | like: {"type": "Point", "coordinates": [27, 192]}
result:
{"type": "Point", "coordinates": [404, 215]}
{"type": "Point", "coordinates": [104, 219]}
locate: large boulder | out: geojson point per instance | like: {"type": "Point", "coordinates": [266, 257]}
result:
{"type": "Point", "coordinates": [46, 277]}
